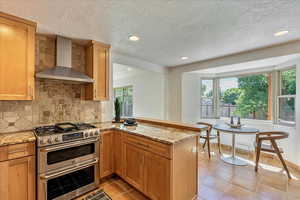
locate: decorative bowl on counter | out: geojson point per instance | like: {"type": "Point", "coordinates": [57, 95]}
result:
{"type": "Point", "coordinates": [130, 122]}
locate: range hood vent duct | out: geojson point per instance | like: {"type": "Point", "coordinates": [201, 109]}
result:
{"type": "Point", "coordinates": [63, 70]}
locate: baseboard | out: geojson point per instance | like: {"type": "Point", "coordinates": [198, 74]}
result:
{"type": "Point", "coordinates": [252, 153]}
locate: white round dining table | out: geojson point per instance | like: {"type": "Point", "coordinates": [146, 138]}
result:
{"type": "Point", "coordinates": [224, 128]}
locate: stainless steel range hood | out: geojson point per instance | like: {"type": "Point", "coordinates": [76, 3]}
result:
{"type": "Point", "coordinates": [63, 70]}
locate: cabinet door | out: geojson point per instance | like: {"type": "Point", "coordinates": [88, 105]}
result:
{"type": "Point", "coordinates": [157, 177]}
{"type": "Point", "coordinates": [16, 60]}
{"type": "Point", "coordinates": [118, 152]}
{"type": "Point", "coordinates": [106, 154]}
{"type": "Point", "coordinates": [17, 180]}
{"type": "Point", "coordinates": [102, 73]}
{"type": "Point", "coordinates": [133, 165]}
{"type": "Point", "coordinates": [97, 67]}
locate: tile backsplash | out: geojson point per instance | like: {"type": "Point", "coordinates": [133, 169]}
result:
{"type": "Point", "coordinates": [55, 101]}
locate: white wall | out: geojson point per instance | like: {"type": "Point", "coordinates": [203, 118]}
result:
{"type": "Point", "coordinates": [107, 107]}
{"type": "Point", "coordinates": [148, 93]}
{"type": "Point", "coordinates": [190, 97]}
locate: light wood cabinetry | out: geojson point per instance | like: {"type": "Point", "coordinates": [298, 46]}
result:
{"type": "Point", "coordinates": [161, 171]}
{"type": "Point", "coordinates": [97, 67]}
{"type": "Point", "coordinates": [133, 165]}
{"type": "Point", "coordinates": [17, 174]}
{"type": "Point", "coordinates": [145, 170]}
{"type": "Point", "coordinates": [118, 144]}
{"type": "Point", "coordinates": [157, 177]}
{"type": "Point", "coordinates": [106, 153]}
{"type": "Point", "coordinates": [17, 56]}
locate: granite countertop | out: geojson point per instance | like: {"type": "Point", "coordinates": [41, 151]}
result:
{"type": "Point", "coordinates": [16, 138]}
{"type": "Point", "coordinates": [159, 133]}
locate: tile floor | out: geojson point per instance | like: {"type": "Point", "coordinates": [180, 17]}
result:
{"type": "Point", "coordinates": [221, 181]}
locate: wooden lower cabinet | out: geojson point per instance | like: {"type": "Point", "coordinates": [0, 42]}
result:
{"type": "Point", "coordinates": [17, 180]}
{"type": "Point", "coordinates": [106, 154]}
{"type": "Point", "coordinates": [160, 171]}
{"type": "Point", "coordinates": [133, 165]}
{"type": "Point", "coordinates": [146, 171]}
{"type": "Point", "coordinates": [157, 177]}
{"type": "Point", "coordinates": [118, 152]}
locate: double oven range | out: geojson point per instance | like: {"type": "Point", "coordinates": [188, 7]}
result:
{"type": "Point", "coordinates": [67, 160]}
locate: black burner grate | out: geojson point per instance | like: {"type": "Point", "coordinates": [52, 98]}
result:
{"type": "Point", "coordinates": [62, 128]}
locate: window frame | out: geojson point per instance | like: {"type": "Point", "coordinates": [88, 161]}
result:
{"type": "Point", "coordinates": [214, 93]}
{"type": "Point", "coordinates": [245, 75]}
{"type": "Point", "coordinates": [123, 88]}
{"type": "Point", "coordinates": [276, 94]}
{"type": "Point", "coordinates": [280, 95]}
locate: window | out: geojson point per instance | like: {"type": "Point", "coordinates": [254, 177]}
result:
{"type": "Point", "coordinates": [266, 96]}
{"type": "Point", "coordinates": [125, 96]}
{"type": "Point", "coordinates": [287, 96]}
{"type": "Point", "coordinates": [245, 96]}
{"type": "Point", "coordinates": [207, 103]}
{"type": "Point", "coordinates": [229, 94]}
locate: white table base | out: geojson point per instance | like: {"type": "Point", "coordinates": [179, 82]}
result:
{"type": "Point", "coordinates": [233, 159]}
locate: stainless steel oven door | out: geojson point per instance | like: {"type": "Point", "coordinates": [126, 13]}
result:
{"type": "Point", "coordinates": [68, 183]}
{"type": "Point", "coordinates": [67, 154]}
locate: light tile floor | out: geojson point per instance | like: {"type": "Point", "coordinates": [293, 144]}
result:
{"type": "Point", "coordinates": [221, 181]}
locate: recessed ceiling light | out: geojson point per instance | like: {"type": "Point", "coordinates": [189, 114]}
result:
{"type": "Point", "coordinates": [280, 33]}
{"type": "Point", "coordinates": [184, 58]}
{"type": "Point", "coordinates": [134, 38]}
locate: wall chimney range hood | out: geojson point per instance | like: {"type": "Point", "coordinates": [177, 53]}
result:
{"type": "Point", "coordinates": [63, 69]}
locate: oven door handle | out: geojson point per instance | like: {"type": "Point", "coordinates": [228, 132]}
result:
{"type": "Point", "coordinates": [74, 144]}
{"type": "Point", "coordinates": [69, 170]}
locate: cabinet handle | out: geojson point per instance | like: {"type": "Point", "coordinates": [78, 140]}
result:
{"type": "Point", "coordinates": [17, 151]}
{"type": "Point", "coordinates": [143, 159]}
{"type": "Point", "coordinates": [142, 144]}
{"type": "Point", "coordinates": [30, 91]}
{"type": "Point", "coordinates": [95, 93]}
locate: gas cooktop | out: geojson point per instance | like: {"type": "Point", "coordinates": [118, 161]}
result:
{"type": "Point", "coordinates": [64, 132]}
{"type": "Point", "coordinates": [62, 128]}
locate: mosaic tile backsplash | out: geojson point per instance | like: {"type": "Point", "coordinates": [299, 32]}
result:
{"type": "Point", "coordinates": [55, 101]}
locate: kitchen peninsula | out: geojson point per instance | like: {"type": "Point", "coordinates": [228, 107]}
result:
{"type": "Point", "coordinates": [159, 158]}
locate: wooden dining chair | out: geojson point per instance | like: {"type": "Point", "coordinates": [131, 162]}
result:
{"type": "Point", "coordinates": [271, 146]}
{"type": "Point", "coordinates": [207, 136]}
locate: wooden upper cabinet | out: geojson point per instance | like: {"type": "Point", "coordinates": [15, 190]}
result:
{"type": "Point", "coordinates": [97, 67]}
{"type": "Point", "coordinates": [17, 56]}
{"type": "Point", "coordinates": [106, 154]}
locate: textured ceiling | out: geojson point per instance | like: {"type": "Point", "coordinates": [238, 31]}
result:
{"type": "Point", "coordinates": [169, 29]}
{"type": "Point", "coordinates": [123, 71]}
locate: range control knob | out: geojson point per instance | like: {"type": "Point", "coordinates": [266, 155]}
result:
{"type": "Point", "coordinates": [49, 141]}
{"type": "Point", "coordinates": [86, 134]}
{"type": "Point", "coordinates": [97, 132]}
{"type": "Point", "coordinates": [91, 133]}
{"type": "Point", "coordinates": [42, 142]}
{"type": "Point", "coordinates": [56, 139]}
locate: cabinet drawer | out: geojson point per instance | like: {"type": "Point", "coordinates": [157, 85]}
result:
{"type": "Point", "coordinates": [16, 151]}
{"type": "Point", "coordinates": [149, 145]}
